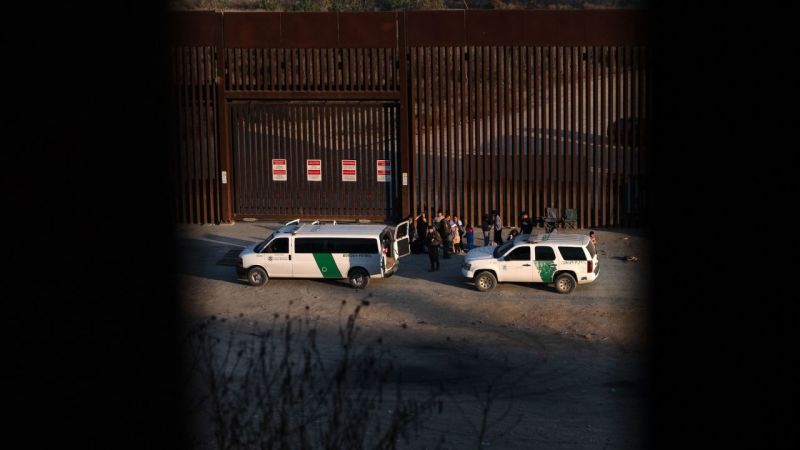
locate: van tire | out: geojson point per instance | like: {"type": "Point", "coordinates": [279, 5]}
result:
{"type": "Point", "coordinates": [565, 283]}
{"type": "Point", "coordinates": [257, 276]}
{"type": "Point", "coordinates": [485, 281]}
{"type": "Point", "coordinates": [358, 277]}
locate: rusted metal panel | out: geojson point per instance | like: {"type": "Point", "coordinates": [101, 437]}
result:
{"type": "Point", "coordinates": [497, 28]}
{"type": "Point", "coordinates": [435, 28]}
{"type": "Point", "coordinates": [368, 29]}
{"type": "Point", "coordinates": [405, 114]}
{"type": "Point", "coordinates": [312, 95]}
{"type": "Point", "coordinates": [194, 28]}
{"type": "Point", "coordinates": [251, 29]}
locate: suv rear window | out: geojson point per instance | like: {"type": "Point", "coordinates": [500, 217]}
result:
{"type": "Point", "coordinates": [545, 254]}
{"type": "Point", "coordinates": [572, 253]}
{"type": "Point", "coordinates": [591, 249]}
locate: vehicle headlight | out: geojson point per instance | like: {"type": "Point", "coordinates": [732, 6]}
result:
{"type": "Point", "coordinates": [467, 266]}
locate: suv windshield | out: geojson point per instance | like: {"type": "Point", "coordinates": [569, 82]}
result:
{"type": "Point", "coordinates": [260, 246]}
{"type": "Point", "coordinates": [502, 249]}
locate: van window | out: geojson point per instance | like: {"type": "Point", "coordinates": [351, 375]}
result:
{"type": "Point", "coordinates": [279, 245]}
{"type": "Point", "coordinates": [545, 254]}
{"type": "Point", "coordinates": [572, 253]}
{"type": "Point", "coordinates": [335, 245]}
{"type": "Point", "coordinates": [258, 248]}
{"type": "Point", "coordinates": [311, 245]}
{"type": "Point", "coordinates": [354, 245]}
{"type": "Point", "coordinates": [520, 254]}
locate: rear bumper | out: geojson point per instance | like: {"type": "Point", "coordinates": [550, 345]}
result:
{"type": "Point", "coordinates": [589, 277]}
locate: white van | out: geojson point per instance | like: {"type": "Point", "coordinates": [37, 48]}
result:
{"type": "Point", "coordinates": [563, 259]}
{"type": "Point", "coordinates": [355, 252]}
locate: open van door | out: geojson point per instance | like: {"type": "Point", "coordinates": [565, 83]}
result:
{"type": "Point", "coordinates": [402, 245]}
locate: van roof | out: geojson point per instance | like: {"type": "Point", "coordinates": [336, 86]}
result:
{"type": "Point", "coordinates": [348, 230]}
{"type": "Point", "coordinates": [556, 238]}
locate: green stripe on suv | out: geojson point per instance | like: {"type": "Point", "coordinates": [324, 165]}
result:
{"type": "Point", "coordinates": [327, 265]}
{"type": "Point", "coordinates": [546, 270]}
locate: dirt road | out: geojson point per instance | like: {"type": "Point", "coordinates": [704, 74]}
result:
{"type": "Point", "coordinates": [565, 370]}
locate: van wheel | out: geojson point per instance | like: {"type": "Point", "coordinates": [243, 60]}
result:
{"type": "Point", "coordinates": [565, 283]}
{"type": "Point", "coordinates": [257, 276]}
{"type": "Point", "coordinates": [485, 281]}
{"type": "Point", "coordinates": [359, 278]}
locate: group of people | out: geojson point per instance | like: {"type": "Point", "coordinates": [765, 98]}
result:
{"type": "Point", "coordinates": [492, 226]}
{"type": "Point", "coordinates": [443, 231]}
{"type": "Point", "coordinates": [448, 233]}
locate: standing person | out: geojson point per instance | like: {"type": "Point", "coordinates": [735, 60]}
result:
{"type": "Point", "coordinates": [439, 218]}
{"type": "Point", "coordinates": [455, 238]}
{"type": "Point", "coordinates": [593, 238]}
{"type": "Point", "coordinates": [462, 245]}
{"type": "Point", "coordinates": [470, 235]}
{"type": "Point", "coordinates": [432, 240]}
{"type": "Point", "coordinates": [444, 234]}
{"type": "Point", "coordinates": [486, 226]}
{"type": "Point", "coordinates": [422, 226]}
{"type": "Point", "coordinates": [526, 224]}
{"type": "Point", "coordinates": [498, 228]}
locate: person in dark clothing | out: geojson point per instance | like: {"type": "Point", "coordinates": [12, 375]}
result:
{"type": "Point", "coordinates": [486, 226]}
{"type": "Point", "coordinates": [422, 226]}
{"type": "Point", "coordinates": [527, 224]}
{"type": "Point", "coordinates": [444, 234]}
{"type": "Point", "coordinates": [432, 240]}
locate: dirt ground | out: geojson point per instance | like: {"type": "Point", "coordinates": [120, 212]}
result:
{"type": "Point", "coordinates": [566, 368]}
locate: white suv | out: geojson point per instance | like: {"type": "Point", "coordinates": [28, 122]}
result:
{"type": "Point", "coordinates": [563, 259]}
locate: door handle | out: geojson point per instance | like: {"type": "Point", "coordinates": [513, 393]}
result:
{"type": "Point", "coordinates": [526, 265]}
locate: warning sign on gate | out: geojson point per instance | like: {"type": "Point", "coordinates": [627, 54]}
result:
{"type": "Point", "coordinates": [314, 169]}
{"type": "Point", "coordinates": [348, 170]}
{"type": "Point", "coordinates": [384, 170]}
{"type": "Point", "coordinates": [278, 170]}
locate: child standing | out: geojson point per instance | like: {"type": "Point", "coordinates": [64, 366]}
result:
{"type": "Point", "coordinates": [470, 237]}
{"type": "Point", "coordinates": [433, 241]}
{"type": "Point", "coordinates": [455, 239]}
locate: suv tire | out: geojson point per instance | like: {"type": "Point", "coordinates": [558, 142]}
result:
{"type": "Point", "coordinates": [485, 281]}
{"type": "Point", "coordinates": [565, 283]}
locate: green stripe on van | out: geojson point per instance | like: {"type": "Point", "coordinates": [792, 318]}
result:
{"type": "Point", "coordinates": [327, 265]}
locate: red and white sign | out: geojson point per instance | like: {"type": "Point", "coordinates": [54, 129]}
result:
{"type": "Point", "coordinates": [278, 170]}
{"type": "Point", "coordinates": [349, 170]}
{"type": "Point", "coordinates": [314, 169]}
{"type": "Point", "coordinates": [384, 170]}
